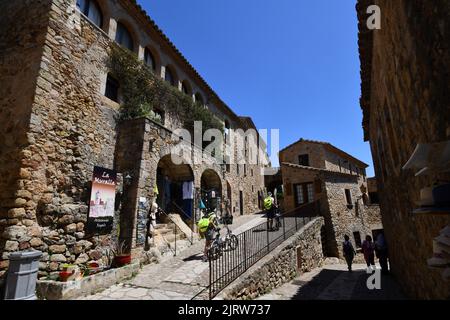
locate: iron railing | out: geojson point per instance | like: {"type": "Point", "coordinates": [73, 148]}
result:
{"type": "Point", "coordinates": [254, 244]}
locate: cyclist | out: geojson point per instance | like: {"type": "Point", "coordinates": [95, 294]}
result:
{"type": "Point", "coordinates": [208, 229]}
{"type": "Point", "coordinates": [269, 206]}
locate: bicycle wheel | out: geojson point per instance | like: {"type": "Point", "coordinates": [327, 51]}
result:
{"type": "Point", "coordinates": [232, 241]}
{"type": "Point", "coordinates": [214, 252]}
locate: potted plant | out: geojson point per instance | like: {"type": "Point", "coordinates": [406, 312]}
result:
{"type": "Point", "coordinates": [69, 272]}
{"type": "Point", "coordinates": [122, 256]}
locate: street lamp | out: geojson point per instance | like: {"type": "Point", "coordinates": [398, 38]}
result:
{"type": "Point", "coordinates": [127, 180]}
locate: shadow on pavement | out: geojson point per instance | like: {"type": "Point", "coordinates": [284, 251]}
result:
{"type": "Point", "coordinates": [197, 256]}
{"type": "Point", "coordinates": [313, 289]}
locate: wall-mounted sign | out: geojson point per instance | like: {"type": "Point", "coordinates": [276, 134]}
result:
{"type": "Point", "coordinates": [101, 204]}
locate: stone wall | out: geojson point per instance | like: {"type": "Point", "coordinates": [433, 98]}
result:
{"type": "Point", "coordinates": [405, 69]}
{"type": "Point", "coordinates": [315, 151]}
{"type": "Point", "coordinates": [345, 220]}
{"type": "Point", "coordinates": [300, 253]}
{"type": "Point", "coordinates": [20, 59]}
{"type": "Point", "coordinates": [70, 131]}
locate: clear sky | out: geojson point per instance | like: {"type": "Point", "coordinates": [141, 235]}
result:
{"type": "Point", "coordinates": [289, 64]}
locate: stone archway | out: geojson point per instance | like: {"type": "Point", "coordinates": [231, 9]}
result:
{"type": "Point", "coordinates": [170, 179]}
{"type": "Point", "coordinates": [211, 189]}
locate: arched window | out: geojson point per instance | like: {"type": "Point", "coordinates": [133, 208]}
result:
{"type": "Point", "coordinates": [91, 9]}
{"type": "Point", "coordinates": [169, 76]}
{"type": "Point", "coordinates": [149, 59]}
{"type": "Point", "coordinates": [199, 99]}
{"type": "Point", "coordinates": [185, 88]}
{"type": "Point", "coordinates": [123, 37]}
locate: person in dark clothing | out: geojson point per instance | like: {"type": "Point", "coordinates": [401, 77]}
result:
{"type": "Point", "coordinates": [349, 252]}
{"type": "Point", "coordinates": [381, 251]}
{"type": "Point", "coordinates": [368, 249]}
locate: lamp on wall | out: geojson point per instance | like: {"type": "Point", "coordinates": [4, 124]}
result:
{"type": "Point", "coordinates": [127, 179]}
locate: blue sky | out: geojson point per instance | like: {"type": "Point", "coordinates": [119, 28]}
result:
{"type": "Point", "coordinates": [289, 64]}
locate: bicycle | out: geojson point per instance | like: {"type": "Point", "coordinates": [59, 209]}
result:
{"type": "Point", "coordinates": [219, 245]}
{"type": "Point", "coordinates": [231, 241]}
{"type": "Point", "coordinates": [277, 219]}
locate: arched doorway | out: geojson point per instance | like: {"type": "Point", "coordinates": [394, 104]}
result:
{"type": "Point", "coordinates": [175, 186]}
{"type": "Point", "coordinates": [211, 190]}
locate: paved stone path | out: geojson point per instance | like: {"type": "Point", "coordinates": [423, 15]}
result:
{"type": "Point", "coordinates": [182, 277]}
{"type": "Point", "coordinates": [334, 282]}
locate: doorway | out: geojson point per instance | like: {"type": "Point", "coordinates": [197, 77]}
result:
{"type": "Point", "coordinates": [241, 202]}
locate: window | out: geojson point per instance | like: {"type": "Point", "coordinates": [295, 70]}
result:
{"type": "Point", "coordinates": [123, 37]}
{"type": "Point", "coordinates": [199, 99]}
{"type": "Point", "coordinates": [169, 76]}
{"type": "Point", "coordinates": [304, 193]}
{"type": "Point", "coordinates": [245, 170]}
{"type": "Point", "coordinates": [227, 131]}
{"type": "Point", "coordinates": [373, 196]}
{"type": "Point", "coordinates": [185, 88]}
{"type": "Point", "coordinates": [348, 197]}
{"type": "Point", "coordinates": [91, 9]}
{"type": "Point", "coordinates": [149, 59]}
{"type": "Point", "coordinates": [237, 169]}
{"type": "Point", "coordinates": [357, 237]}
{"type": "Point", "coordinates": [303, 160]}
{"type": "Point", "coordinates": [251, 170]}
{"type": "Point", "coordinates": [112, 88]}
{"type": "Point", "coordinates": [228, 168]}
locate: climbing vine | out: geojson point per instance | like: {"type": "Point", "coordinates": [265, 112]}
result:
{"type": "Point", "coordinates": [142, 92]}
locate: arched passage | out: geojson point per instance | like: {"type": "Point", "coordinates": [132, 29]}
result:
{"type": "Point", "coordinates": [211, 189]}
{"type": "Point", "coordinates": [175, 186]}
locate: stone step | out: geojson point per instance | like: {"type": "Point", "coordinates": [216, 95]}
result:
{"type": "Point", "coordinates": [171, 237]}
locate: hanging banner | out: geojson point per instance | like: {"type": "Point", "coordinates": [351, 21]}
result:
{"type": "Point", "coordinates": [101, 204]}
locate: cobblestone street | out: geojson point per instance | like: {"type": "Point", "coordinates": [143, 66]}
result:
{"type": "Point", "coordinates": [334, 282]}
{"type": "Point", "coordinates": [183, 277]}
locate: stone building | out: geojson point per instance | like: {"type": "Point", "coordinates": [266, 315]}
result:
{"type": "Point", "coordinates": [320, 178]}
{"type": "Point", "coordinates": [405, 67]}
{"type": "Point", "coordinates": [59, 107]}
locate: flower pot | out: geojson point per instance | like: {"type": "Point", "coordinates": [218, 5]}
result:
{"type": "Point", "coordinates": [121, 261]}
{"type": "Point", "coordinates": [441, 195]}
{"type": "Point", "coordinates": [64, 275]}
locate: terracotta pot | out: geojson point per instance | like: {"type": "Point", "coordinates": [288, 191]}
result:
{"type": "Point", "coordinates": [121, 261]}
{"type": "Point", "coordinates": [64, 275]}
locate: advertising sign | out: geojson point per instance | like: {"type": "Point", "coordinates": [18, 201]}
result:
{"type": "Point", "coordinates": [101, 204]}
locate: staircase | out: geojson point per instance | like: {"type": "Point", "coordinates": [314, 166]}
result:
{"type": "Point", "coordinates": [164, 239]}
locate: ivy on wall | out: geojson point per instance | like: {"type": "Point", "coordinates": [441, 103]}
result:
{"type": "Point", "coordinates": [142, 91]}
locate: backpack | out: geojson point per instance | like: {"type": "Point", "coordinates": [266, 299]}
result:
{"type": "Point", "coordinates": [268, 203]}
{"type": "Point", "coordinates": [203, 225]}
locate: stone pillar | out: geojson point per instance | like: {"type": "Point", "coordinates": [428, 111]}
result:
{"type": "Point", "coordinates": [112, 29]}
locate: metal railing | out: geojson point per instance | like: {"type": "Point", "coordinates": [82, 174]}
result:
{"type": "Point", "coordinates": [254, 244]}
{"type": "Point", "coordinates": [174, 249]}
{"type": "Point", "coordinates": [191, 240]}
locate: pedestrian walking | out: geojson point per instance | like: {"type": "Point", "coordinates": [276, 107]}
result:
{"type": "Point", "coordinates": [368, 249]}
{"type": "Point", "coordinates": [381, 251]}
{"type": "Point", "coordinates": [349, 252]}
